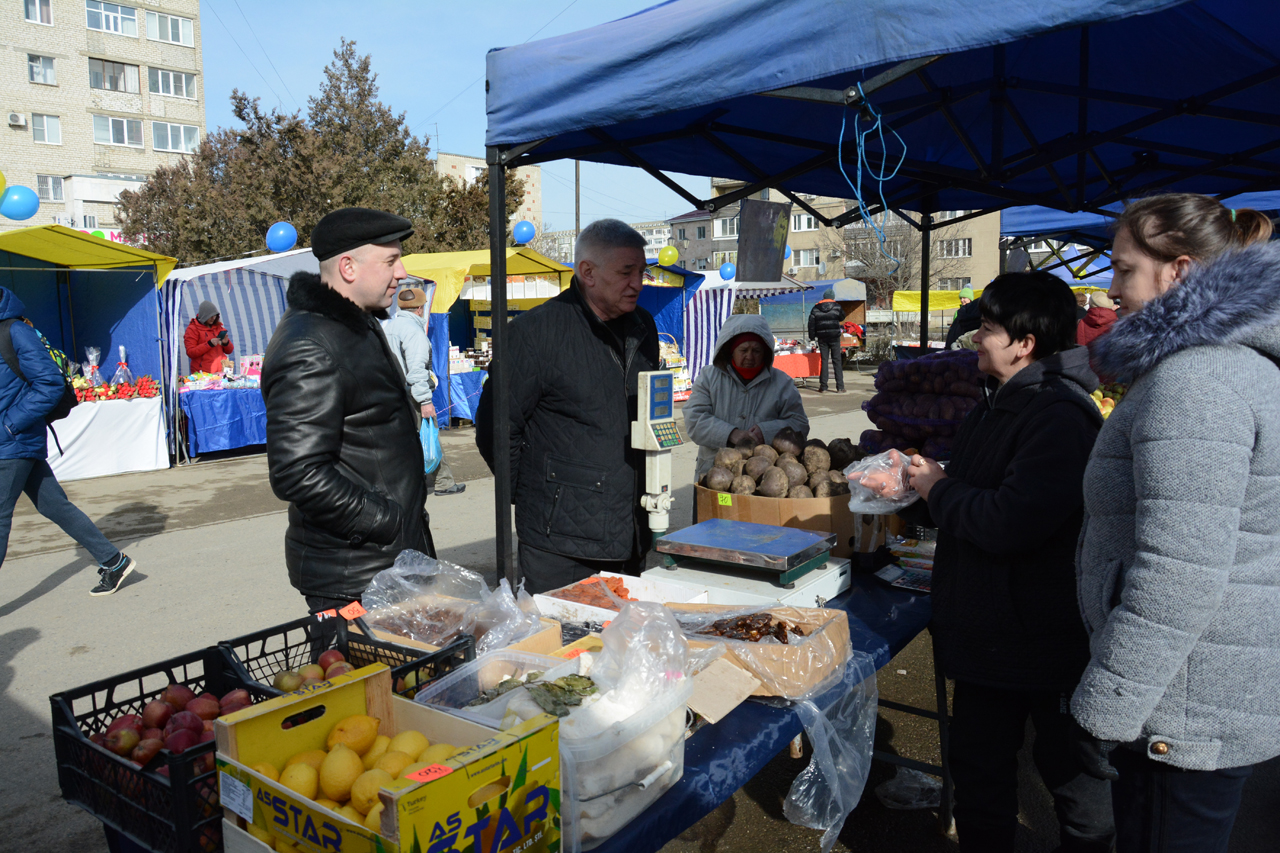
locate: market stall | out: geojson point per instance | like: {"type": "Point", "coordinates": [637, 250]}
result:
{"type": "Point", "coordinates": [92, 296]}
{"type": "Point", "coordinates": [788, 317]}
{"type": "Point", "coordinates": [667, 295]}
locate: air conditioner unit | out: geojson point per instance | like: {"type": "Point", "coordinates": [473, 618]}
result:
{"type": "Point", "coordinates": [835, 253]}
{"type": "Point", "coordinates": [17, 120]}
{"type": "Point", "coordinates": [64, 219]}
{"type": "Point", "coordinates": [793, 270]}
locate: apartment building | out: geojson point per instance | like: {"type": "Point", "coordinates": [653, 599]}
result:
{"type": "Point", "coordinates": [467, 170]}
{"type": "Point", "coordinates": [96, 95]}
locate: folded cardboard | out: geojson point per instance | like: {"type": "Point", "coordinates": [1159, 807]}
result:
{"type": "Point", "coordinates": [823, 515]}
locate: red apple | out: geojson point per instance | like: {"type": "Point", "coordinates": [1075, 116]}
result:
{"type": "Point", "coordinates": [206, 737]}
{"type": "Point", "coordinates": [329, 658]}
{"type": "Point", "coordinates": [232, 708]}
{"type": "Point", "coordinates": [239, 696]}
{"type": "Point", "coordinates": [208, 725]}
{"type": "Point", "coordinates": [128, 721]}
{"type": "Point", "coordinates": [153, 734]}
{"type": "Point", "coordinates": [181, 740]}
{"type": "Point", "coordinates": [177, 695]}
{"type": "Point", "coordinates": [312, 672]}
{"type": "Point", "coordinates": [156, 714]}
{"type": "Point", "coordinates": [122, 741]}
{"type": "Point", "coordinates": [339, 668]}
{"type": "Point", "coordinates": [204, 764]}
{"type": "Point", "coordinates": [146, 750]}
{"type": "Point", "coordinates": [204, 707]}
{"type": "Point", "coordinates": [184, 720]}
{"type": "Point", "coordinates": [100, 738]}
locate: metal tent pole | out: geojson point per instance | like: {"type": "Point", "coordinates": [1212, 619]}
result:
{"type": "Point", "coordinates": [498, 367]}
{"type": "Point", "coordinates": [926, 232]}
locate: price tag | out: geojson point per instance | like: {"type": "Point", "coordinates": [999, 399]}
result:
{"type": "Point", "coordinates": [236, 795]}
{"type": "Point", "coordinates": [327, 614]}
{"type": "Point", "coordinates": [352, 611]}
{"type": "Point", "coordinates": [725, 500]}
{"type": "Point", "coordinates": [573, 654]}
{"type": "Point", "coordinates": [427, 774]}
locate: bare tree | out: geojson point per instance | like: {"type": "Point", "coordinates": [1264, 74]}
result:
{"type": "Point", "coordinates": [884, 268]}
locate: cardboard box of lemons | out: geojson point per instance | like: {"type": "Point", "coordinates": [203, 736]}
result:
{"type": "Point", "coordinates": [267, 769]}
{"type": "Point", "coordinates": [373, 820]}
{"type": "Point", "coordinates": [409, 742]}
{"type": "Point", "coordinates": [341, 767]}
{"type": "Point", "coordinates": [359, 731]}
{"type": "Point", "coordinates": [302, 779]}
{"type": "Point", "coordinates": [485, 793]}
{"type": "Point", "coordinates": [313, 757]}
{"type": "Point", "coordinates": [437, 753]}
{"type": "Point", "coordinates": [262, 835]}
{"type": "Point", "coordinates": [364, 791]}
{"type": "Point", "coordinates": [283, 845]}
{"type": "Point", "coordinates": [379, 748]}
{"type": "Point", "coordinates": [393, 762]}
{"type": "Point", "coordinates": [348, 811]}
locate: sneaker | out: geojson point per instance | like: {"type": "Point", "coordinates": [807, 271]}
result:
{"type": "Point", "coordinates": [113, 578]}
{"type": "Point", "coordinates": [455, 489]}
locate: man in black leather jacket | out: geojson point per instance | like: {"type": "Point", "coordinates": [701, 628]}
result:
{"type": "Point", "coordinates": [573, 364]}
{"type": "Point", "coordinates": [342, 436]}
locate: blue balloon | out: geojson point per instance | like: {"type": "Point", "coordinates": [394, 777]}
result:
{"type": "Point", "coordinates": [19, 203]}
{"type": "Point", "coordinates": [282, 237]}
{"type": "Point", "coordinates": [728, 271]}
{"type": "Point", "coordinates": [524, 231]}
{"type": "Point", "coordinates": [787, 253]}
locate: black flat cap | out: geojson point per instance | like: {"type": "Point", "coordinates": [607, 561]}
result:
{"type": "Point", "coordinates": [350, 227]}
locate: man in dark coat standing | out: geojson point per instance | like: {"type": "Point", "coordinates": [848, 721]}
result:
{"type": "Point", "coordinates": [342, 430]}
{"type": "Point", "coordinates": [573, 364]}
{"type": "Point", "coordinates": [826, 326]}
{"type": "Point", "coordinates": [1006, 621]}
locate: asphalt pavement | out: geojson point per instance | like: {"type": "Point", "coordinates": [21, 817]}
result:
{"type": "Point", "coordinates": [208, 539]}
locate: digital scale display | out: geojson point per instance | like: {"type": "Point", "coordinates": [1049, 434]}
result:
{"type": "Point", "coordinates": [660, 397]}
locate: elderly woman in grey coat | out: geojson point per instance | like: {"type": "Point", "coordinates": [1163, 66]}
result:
{"type": "Point", "coordinates": [1179, 556]}
{"type": "Point", "coordinates": [740, 396]}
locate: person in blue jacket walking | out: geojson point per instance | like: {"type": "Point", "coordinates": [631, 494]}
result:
{"type": "Point", "coordinates": [23, 449]}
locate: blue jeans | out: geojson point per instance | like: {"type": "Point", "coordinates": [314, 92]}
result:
{"type": "Point", "coordinates": [1164, 809]}
{"type": "Point", "coordinates": [35, 477]}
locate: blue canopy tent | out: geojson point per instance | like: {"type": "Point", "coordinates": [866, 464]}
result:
{"type": "Point", "coordinates": [1072, 105]}
{"type": "Point", "coordinates": [666, 301]}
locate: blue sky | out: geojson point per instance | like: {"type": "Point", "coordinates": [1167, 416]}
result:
{"type": "Point", "coordinates": [429, 57]}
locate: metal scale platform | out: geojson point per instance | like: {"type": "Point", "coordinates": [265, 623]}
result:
{"type": "Point", "coordinates": [741, 562]}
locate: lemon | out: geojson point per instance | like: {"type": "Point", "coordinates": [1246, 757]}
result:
{"type": "Point", "coordinates": [364, 791]}
{"type": "Point", "coordinates": [261, 834]}
{"type": "Point", "coordinates": [327, 803]}
{"type": "Point", "coordinates": [394, 763]}
{"type": "Point", "coordinates": [301, 779]}
{"type": "Point", "coordinates": [409, 742]}
{"type": "Point", "coordinates": [351, 814]}
{"type": "Point", "coordinates": [358, 731]}
{"type": "Point", "coordinates": [373, 820]}
{"type": "Point", "coordinates": [268, 770]}
{"type": "Point", "coordinates": [341, 767]}
{"type": "Point", "coordinates": [376, 751]}
{"type": "Point", "coordinates": [313, 757]}
{"type": "Point", "coordinates": [437, 753]}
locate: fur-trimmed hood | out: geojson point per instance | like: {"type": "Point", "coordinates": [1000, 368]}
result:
{"type": "Point", "coordinates": [308, 293]}
{"type": "Point", "coordinates": [1233, 300]}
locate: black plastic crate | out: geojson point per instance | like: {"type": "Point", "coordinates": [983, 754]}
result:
{"type": "Point", "coordinates": [260, 655]}
{"type": "Point", "coordinates": [174, 814]}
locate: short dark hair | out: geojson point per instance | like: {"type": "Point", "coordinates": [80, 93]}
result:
{"type": "Point", "coordinates": [1032, 303]}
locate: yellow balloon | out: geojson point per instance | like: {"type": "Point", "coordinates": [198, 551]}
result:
{"type": "Point", "coordinates": [3, 184]}
{"type": "Point", "coordinates": [668, 255]}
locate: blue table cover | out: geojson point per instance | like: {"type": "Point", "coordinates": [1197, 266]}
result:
{"type": "Point", "coordinates": [464, 393]}
{"type": "Point", "coordinates": [224, 420]}
{"type": "Point", "coordinates": [720, 759]}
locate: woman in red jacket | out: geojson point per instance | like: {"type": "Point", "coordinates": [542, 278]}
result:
{"type": "Point", "coordinates": [1096, 323]}
{"type": "Point", "coordinates": [206, 339]}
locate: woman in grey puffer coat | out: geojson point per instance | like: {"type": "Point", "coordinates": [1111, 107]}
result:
{"type": "Point", "coordinates": [728, 400]}
{"type": "Point", "coordinates": [1179, 556]}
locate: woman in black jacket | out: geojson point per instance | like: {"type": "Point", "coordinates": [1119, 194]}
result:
{"type": "Point", "coordinates": [1008, 510]}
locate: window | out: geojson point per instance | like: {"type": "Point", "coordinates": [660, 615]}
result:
{"type": "Point", "coordinates": [171, 29]}
{"type": "Point", "coordinates": [944, 215]}
{"type": "Point", "coordinates": [40, 69]}
{"type": "Point", "coordinates": [111, 18]}
{"type": "Point", "coordinates": [727, 227]}
{"type": "Point", "coordinates": [955, 248]}
{"type": "Point", "coordinates": [953, 283]}
{"type": "Point", "coordinates": [174, 137]}
{"type": "Point", "coordinates": [808, 257]}
{"type": "Point", "coordinates": [475, 173]}
{"type": "Point", "coordinates": [1038, 246]}
{"type": "Point", "coordinates": [38, 11]}
{"type": "Point", "coordinates": [46, 129]}
{"type": "Point", "coordinates": [722, 258]}
{"type": "Point", "coordinates": [49, 187]}
{"type": "Point", "coordinates": [702, 264]}
{"type": "Point", "coordinates": [803, 222]}
{"type": "Point", "coordinates": [160, 82]}
{"type": "Point", "coordinates": [117, 131]}
{"type": "Point", "coordinates": [90, 221]}
{"type": "Point", "coordinates": [681, 233]}
{"type": "Point", "coordinates": [702, 232]}
{"type": "Point", "coordinates": [115, 76]}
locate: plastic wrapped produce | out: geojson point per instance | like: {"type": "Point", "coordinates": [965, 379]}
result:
{"type": "Point", "coordinates": [879, 484]}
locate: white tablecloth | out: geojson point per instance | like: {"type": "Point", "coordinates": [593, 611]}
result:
{"type": "Point", "coordinates": [110, 437]}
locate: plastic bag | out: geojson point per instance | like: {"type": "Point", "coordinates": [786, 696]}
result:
{"type": "Point", "coordinates": [841, 723]}
{"type": "Point", "coordinates": [435, 602]}
{"type": "Point", "coordinates": [910, 789]}
{"type": "Point", "coordinates": [123, 374]}
{"type": "Point", "coordinates": [432, 452]}
{"type": "Point", "coordinates": [93, 354]}
{"type": "Point", "coordinates": [878, 484]}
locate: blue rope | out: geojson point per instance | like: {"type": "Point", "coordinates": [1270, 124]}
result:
{"type": "Point", "coordinates": [865, 163]}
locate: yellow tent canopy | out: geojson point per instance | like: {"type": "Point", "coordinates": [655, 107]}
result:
{"type": "Point", "coordinates": [66, 247]}
{"type": "Point", "coordinates": [448, 269]}
{"type": "Point", "coordinates": [949, 300]}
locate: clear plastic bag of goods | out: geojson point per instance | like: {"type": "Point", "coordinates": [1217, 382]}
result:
{"type": "Point", "coordinates": [435, 602]}
{"type": "Point", "coordinates": [91, 372]}
{"type": "Point", "coordinates": [910, 789]}
{"type": "Point", "coordinates": [481, 690]}
{"type": "Point", "coordinates": [816, 643]}
{"type": "Point", "coordinates": [122, 374]}
{"type": "Point", "coordinates": [878, 485]}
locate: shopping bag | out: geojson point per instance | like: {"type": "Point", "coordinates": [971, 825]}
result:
{"type": "Point", "coordinates": [432, 452]}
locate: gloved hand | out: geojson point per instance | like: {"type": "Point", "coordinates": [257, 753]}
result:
{"type": "Point", "coordinates": [1094, 754]}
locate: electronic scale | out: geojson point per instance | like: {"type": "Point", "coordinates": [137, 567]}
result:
{"type": "Point", "coordinates": [655, 433]}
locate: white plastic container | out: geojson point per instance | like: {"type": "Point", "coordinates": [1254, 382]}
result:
{"type": "Point", "coordinates": [455, 691]}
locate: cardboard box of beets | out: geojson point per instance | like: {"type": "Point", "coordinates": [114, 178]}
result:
{"type": "Point", "coordinates": [500, 792]}
{"type": "Point", "coordinates": [822, 515]}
